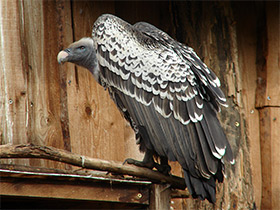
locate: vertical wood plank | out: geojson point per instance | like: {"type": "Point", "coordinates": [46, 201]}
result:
{"type": "Point", "coordinates": [275, 157]}
{"type": "Point", "coordinates": [33, 63]}
{"type": "Point", "coordinates": [64, 35]}
{"type": "Point", "coordinates": [13, 87]}
{"type": "Point", "coordinates": [159, 197]}
{"type": "Point", "coordinates": [246, 27]}
{"type": "Point", "coordinates": [268, 102]}
{"type": "Point", "coordinates": [273, 54]}
{"type": "Point", "coordinates": [39, 41]}
{"type": "Point", "coordinates": [269, 131]}
{"type": "Point", "coordinates": [268, 93]}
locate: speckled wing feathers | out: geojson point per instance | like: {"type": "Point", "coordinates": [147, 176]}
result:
{"type": "Point", "coordinates": [157, 69]}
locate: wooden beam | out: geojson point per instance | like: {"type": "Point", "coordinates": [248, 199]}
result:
{"type": "Point", "coordinates": [77, 189]}
{"type": "Point", "coordinates": [51, 153]}
{"type": "Point", "coordinates": [63, 175]}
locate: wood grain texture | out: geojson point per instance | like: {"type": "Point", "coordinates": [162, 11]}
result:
{"type": "Point", "coordinates": [47, 117]}
{"type": "Point", "coordinates": [160, 197]}
{"type": "Point", "coordinates": [268, 102]}
{"type": "Point", "coordinates": [273, 55]}
{"type": "Point", "coordinates": [75, 190]}
{"type": "Point", "coordinates": [246, 24]}
{"type": "Point", "coordinates": [13, 86]}
{"type": "Point", "coordinates": [270, 150]}
{"type": "Point", "coordinates": [268, 67]}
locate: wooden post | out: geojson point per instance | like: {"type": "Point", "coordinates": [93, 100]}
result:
{"type": "Point", "coordinates": [13, 88]}
{"type": "Point", "coordinates": [246, 30]}
{"type": "Point", "coordinates": [160, 197]}
{"type": "Point", "coordinates": [270, 150]}
{"type": "Point", "coordinates": [268, 102]}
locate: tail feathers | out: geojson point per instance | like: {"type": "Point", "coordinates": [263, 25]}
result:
{"type": "Point", "coordinates": [201, 188]}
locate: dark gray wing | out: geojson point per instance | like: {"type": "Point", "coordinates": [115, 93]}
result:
{"type": "Point", "coordinates": [168, 91]}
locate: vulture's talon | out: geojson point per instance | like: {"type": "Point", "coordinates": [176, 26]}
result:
{"type": "Point", "coordinates": [131, 161]}
{"type": "Point", "coordinates": [128, 161]}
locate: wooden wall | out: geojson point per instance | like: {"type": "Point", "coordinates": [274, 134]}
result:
{"type": "Point", "coordinates": [62, 106]}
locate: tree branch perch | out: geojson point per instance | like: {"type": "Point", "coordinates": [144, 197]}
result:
{"type": "Point", "coordinates": [51, 153]}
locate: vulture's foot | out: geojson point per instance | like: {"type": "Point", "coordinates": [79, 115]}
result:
{"type": "Point", "coordinates": [163, 168]}
{"type": "Point", "coordinates": [148, 161]}
{"type": "Point", "coordinates": [149, 165]}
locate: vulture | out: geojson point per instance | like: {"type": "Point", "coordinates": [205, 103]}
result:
{"type": "Point", "coordinates": [166, 93]}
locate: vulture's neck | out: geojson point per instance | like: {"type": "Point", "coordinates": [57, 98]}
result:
{"type": "Point", "coordinates": [92, 65]}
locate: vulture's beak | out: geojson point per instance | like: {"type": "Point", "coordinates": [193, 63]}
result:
{"type": "Point", "coordinates": [62, 57]}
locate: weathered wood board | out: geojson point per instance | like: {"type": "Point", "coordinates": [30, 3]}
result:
{"type": "Point", "coordinates": [71, 186]}
{"type": "Point", "coordinates": [268, 92]}
{"type": "Point", "coordinates": [13, 89]}
{"type": "Point", "coordinates": [270, 150]}
{"type": "Point", "coordinates": [268, 102]}
{"type": "Point", "coordinates": [247, 44]}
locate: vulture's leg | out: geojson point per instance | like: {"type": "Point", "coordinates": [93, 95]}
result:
{"type": "Point", "coordinates": [147, 162]}
{"type": "Point", "coordinates": [163, 167]}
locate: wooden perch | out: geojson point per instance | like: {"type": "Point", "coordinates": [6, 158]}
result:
{"type": "Point", "coordinates": [51, 153]}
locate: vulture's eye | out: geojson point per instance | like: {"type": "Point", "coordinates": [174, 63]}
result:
{"type": "Point", "coordinates": [81, 48]}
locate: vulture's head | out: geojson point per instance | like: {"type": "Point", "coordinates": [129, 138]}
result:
{"type": "Point", "coordinates": [81, 53]}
